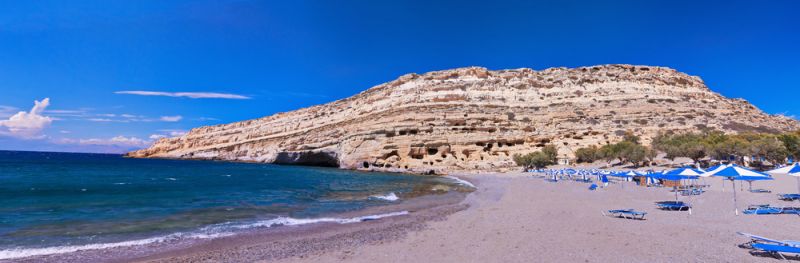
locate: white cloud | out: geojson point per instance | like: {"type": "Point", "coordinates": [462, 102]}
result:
{"type": "Point", "coordinates": [168, 133]}
{"type": "Point", "coordinates": [99, 120]}
{"type": "Point", "coordinates": [114, 141]}
{"type": "Point", "coordinates": [191, 95]}
{"type": "Point", "coordinates": [171, 118]}
{"type": "Point", "coordinates": [27, 125]}
{"type": "Point", "coordinates": [177, 133]}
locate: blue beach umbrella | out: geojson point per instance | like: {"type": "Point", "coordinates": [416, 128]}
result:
{"type": "Point", "coordinates": [737, 173]}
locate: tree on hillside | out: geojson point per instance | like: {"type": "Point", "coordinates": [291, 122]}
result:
{"type": "Point", "coordinates": [588, 154]}
{"type": "Point", "coordinates": [547, 156]}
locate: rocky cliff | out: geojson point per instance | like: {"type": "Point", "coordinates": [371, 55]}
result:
{"type": "Point", "coordinates": [475, 119]}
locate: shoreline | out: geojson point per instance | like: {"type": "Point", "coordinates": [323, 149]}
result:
{"type": "Point", "coordinates": [392, 220]}
{"type": "Point", "coordinates": [510, 217]}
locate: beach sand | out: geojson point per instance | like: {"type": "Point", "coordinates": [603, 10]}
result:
{"type": "Point", "coordinates": [520, 218]}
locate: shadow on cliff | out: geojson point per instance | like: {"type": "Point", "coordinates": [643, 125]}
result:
{"type": "Point", "coordinates": [323, 159]}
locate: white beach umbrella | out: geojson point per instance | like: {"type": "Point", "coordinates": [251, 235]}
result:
{"type": "Point", "coordinates": [791, 170]}
{"type": "Point", "coordinates": [734, 172]}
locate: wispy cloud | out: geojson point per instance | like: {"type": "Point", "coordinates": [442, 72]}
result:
{"type": "Point", "coordinates": [191, 95]}
{"type": "Point", "coordinates": [171, 118]}
{"type": "Point", "coordinates": [100, 120]}
{"type": "Point", "coordinates": [114, 141]}
{"type": "Point", "coordinates": [165, 133]}
{"type": "Point", "coordinates": [27, 125]}
{"type": "Point", "coordinates": [7, 111]}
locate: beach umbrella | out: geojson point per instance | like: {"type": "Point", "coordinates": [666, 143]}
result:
{"type": "Point", "coordinates": [712, 170]}
{"type": "Point", "coordinates": [679, 174]}
{"type": "Point", "coordinates": [734, 172]}
{"type": "Point", "coordinates": [791, 170]}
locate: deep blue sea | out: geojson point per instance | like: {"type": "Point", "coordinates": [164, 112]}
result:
{"type": "Point", "coordinates": [60, 202]}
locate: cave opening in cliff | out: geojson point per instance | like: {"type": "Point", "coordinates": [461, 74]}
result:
{"type": "Point", "coordinates": [321, 158]}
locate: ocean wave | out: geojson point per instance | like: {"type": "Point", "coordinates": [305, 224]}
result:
{"type": "Point", "coordinates": [209, 232]}
{"type": "Point", "coordinates": [461, 181]}
{"type": "Point", "coordinates": [30, 252]}
{"type": "Point", "coordinates": [289, 221]}
{"type": "Point", "coordinates": [387, 197]}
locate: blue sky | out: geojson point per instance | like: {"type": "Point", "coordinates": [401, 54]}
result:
{"type": "Point", "coordinates": [283, 55]}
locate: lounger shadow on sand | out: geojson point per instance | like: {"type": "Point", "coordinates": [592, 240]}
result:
{"type": "Point", "coordinates": [673, 205]}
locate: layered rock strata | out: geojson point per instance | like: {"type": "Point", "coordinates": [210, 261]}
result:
{"type": "Point", "coordinates": [475, 119]}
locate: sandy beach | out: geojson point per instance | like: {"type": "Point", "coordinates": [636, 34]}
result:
{"type": "Point", "coordinates": [519, 217]}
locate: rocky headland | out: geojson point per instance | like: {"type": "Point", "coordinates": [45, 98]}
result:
{"type": "Point", "coordinates": [475, 119]}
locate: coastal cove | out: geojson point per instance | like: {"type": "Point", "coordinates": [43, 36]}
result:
{"type": "Point", "coordinates": [64, 207]}
{"type": "Point", "coordinates": [510, 217]}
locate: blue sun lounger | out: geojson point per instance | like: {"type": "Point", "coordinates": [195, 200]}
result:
{"type": "Point", "coordinates": [772, 246]}
{"type": "Point", "coordinates": [673, 205]}
{"type": "Point", "coordinates": [771, 210]}
{"type": "Point", "coordinates": [692, 192]}
{"type": "Point", "coordinates": [789, 197]}
{"type": "Point", "coordinates": [628, 214]}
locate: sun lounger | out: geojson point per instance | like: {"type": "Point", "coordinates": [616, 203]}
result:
{"type": "Point", "coordinates": [789, 197]}
{"type": "Point", "coordinates": [692, 192]}
{"type": "Point", "coordinates": [760, 191]}
{"type": "Point", "coordinates": [778, 250]}
{"type": "Point", "coordinates": [771, 210]}
{"type": "Point", "coordinates": [592, 187]}
{"type": "Point", "coordinates": [628, 213]}
{"type": "Point", "coordinates": [673, 205]}
{"type": "Point", "coordinates": [772, 246]}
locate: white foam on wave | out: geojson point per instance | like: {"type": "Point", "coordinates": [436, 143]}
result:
{"type": "Point", "coordinates": [461, 181]}
{"type": "Point", "coordinates": [30, 252]}
{"type": "Point", "coordinates": [209, 232]}
{"type": "Point", "coordinates": [120, 183]}
{"type": "Point", "coordinates": [289, 221]}
{"type": "Point", "coordinates": [388, 197]}
{"type": "Point", "coordinates": [172, 179]}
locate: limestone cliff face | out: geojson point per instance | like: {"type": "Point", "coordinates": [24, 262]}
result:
{"type": "Point", "coordinates": [475, 119]}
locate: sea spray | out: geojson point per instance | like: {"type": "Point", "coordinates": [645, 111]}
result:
{"type": "Point", "coordinates": [388, 197]}
{"type": "Point", "coordinates": [460, 181]}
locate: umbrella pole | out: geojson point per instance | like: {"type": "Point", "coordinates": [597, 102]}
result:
{"type": "Point", "coordinates": [735, 207]}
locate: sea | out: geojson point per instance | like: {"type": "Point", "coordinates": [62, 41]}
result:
{"type": "Point", "coordinates": [53, 203]}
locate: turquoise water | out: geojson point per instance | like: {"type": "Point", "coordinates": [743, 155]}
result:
{"type": "Point", "coordinates": [64, 199]}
